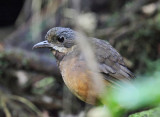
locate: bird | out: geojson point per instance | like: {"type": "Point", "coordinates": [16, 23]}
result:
{"type": "Point", "coordinates": [73, 67]}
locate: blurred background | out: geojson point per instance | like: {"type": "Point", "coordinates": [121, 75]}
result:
{"type": "Point", "coordinates": [30, 82]}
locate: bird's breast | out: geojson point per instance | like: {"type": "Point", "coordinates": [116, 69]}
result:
{"type": "Point", "coordinates": [78, 79]}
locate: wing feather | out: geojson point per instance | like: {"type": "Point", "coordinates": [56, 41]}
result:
{"type": "Point", "coordinates": [110, 62]}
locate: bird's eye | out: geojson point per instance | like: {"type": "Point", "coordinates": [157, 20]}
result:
{"type": "Point", "coordinates": [60, 39]}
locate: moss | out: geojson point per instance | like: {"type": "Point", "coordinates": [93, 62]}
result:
{"type": "Point", "coordinates": [148, 113]}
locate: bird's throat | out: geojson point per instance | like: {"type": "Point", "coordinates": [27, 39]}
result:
{"type": "Point", "coordinates": [58, 55]}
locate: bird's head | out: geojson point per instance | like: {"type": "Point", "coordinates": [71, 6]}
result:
{"type": "Point", "coordinates": [59, 40]}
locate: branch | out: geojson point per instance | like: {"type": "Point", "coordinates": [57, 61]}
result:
{"type": "Point", "coordinates": [22, 59]}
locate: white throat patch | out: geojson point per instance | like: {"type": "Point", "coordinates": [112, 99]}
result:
{"type": "Point", "coordinates": [60, 49]}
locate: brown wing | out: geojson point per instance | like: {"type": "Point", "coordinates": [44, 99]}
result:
{"type": "Point", "coordinates": [110, 62]}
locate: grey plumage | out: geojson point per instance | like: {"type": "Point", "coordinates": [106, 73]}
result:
{"type": "Point", "coordinates": [110, 61]}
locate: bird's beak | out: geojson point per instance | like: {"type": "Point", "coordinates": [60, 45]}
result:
{"type": "Point", "coordinates": [46, 44]}
{"type": "Point", "coordinates": [43, 44]}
